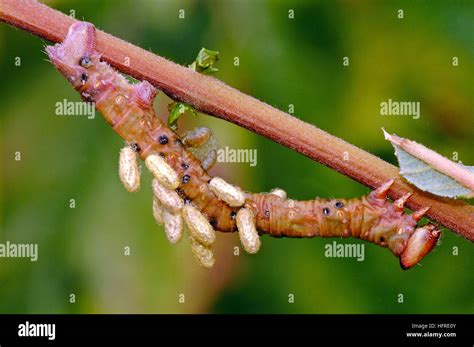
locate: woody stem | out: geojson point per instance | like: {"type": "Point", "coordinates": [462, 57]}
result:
{"type": "Point", "coordinates": [213, 97]}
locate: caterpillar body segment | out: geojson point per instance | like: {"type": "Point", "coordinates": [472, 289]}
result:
{"type": "Point", "coordinates": [377, 221]}
{"type": "Point", "coordinates": [417, 215]}
{"type": "Point", "coordinates": [206, 207]}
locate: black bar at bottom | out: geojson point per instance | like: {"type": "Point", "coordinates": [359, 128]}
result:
{"type": "Point", "coordinates": [406, 329]}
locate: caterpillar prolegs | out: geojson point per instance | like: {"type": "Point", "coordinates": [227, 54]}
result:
{"type": "Point", "coordinates": [187, 197]}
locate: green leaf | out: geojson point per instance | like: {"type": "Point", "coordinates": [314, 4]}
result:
{"type": "Point", "coordinates": [426, 178]}
{"type": "Point", "coordinates": [423, 175]}
{"type": "Point", "coordinates": [205, 61]}
{"type": "Point", "coordinates": [176, 109]}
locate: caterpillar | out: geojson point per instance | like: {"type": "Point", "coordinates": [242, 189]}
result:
{"type": "Point", "coordinates": [186, 197]}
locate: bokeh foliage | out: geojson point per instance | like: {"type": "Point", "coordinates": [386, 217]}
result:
{"type": "Point", "coordinates": [282, 61]}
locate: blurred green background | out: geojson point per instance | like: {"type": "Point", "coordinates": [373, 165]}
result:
{"type": "Point", "coordinates": [283, 61]}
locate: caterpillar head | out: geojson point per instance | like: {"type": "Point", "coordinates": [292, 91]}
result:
{"type": "Point", "coordinates": [404, 239]}
{"type": "Point", "coordinates": [398, 231]}
{"type": "Point", "coordinates": [420, 243]}
{"type": "Point", "coordinates": [76, 53]}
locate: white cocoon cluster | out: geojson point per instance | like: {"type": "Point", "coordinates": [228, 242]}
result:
{"type": "Point", "coordinates": [279, 192]}
{"type": "Point", "coordinates": [230, 194]}
{"type": "Point", "coordinates": [128, 169]}
{"type": "Point", "coordinates": [157, 211]}
{"type": "Point", "coordinates": [169, 199]}
{"type": "Point", "coordinates": [162, 171]}
{"type": "Point", "coordinates": [198, 225]}
{"type": "Point", "coordinates": [203, 254]}
{"type": "Point", "coordinates": [173, 226]}
{"type": "Point", "coordinates": [247, 230]}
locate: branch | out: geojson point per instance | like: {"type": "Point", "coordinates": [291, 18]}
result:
{"type": "Point", "coordinates": [213, 97]}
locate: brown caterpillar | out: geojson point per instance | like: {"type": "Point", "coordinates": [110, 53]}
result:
{"type": "Point", "coordinates": [184, 191]}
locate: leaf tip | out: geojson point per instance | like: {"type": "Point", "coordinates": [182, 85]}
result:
{"type": "Point", "coordinates": [393, 138]}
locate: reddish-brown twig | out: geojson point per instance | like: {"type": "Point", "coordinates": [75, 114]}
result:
{"type": "Point", "coordinates": [213, 97]}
